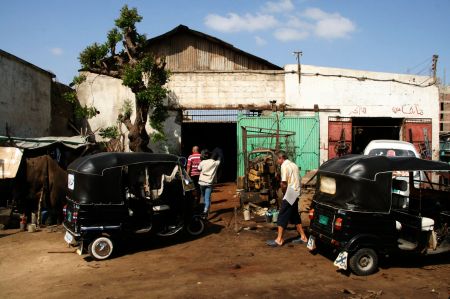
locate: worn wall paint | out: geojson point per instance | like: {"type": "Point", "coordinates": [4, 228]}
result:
{"type": "Point", "coordinates": [25, 99]}
{"type": "Point", "coordinates": [362, 98]}
{"type": "Point", "coordinates": [107, 95]}
{"type": "Point", "coordinates": [226, 89]}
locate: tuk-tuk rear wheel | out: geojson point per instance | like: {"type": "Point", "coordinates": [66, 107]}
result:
{"type": "Point", "coordinates": [101, 248]}
{"type": "Point", "coordinates": [196, 226]}
{"type": "Point", "coordinates": [364, 262]}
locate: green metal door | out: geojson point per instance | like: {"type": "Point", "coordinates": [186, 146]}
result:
{"type": "Point", "coordinates": [306, 137]}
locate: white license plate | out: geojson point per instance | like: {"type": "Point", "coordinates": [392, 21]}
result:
{"type": "Point", "coordinates": [341, 260]}
{"type": "Point", "coordinates": [68, 238]}
{"type": "Point", "coordinates": [311, 245]}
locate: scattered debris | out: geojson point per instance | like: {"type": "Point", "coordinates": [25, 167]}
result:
{"type": "Point", "coordinates": [236, 266]}
{"type": "Point", "coordinates": [348, 291]}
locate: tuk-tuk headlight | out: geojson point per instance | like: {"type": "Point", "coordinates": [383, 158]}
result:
{"type": "Point", "coordinates": [327, 185]}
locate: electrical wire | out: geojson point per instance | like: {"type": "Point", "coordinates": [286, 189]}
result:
{"type": "Point", "coordinates": [278, 73]}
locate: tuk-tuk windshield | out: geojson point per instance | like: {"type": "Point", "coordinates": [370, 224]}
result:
{"type": "Point", "coordinates": [348, 193]}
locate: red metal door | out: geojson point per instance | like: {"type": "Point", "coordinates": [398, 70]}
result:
{"type": "Point", "coordinates": [418, 131]}
{"type": "Point", "coordinates": [339, 136]}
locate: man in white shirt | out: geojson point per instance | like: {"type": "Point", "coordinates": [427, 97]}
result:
{"type": "Point", "coordinates": [208, 171]}
{"type": "Point", "coordinates": [290, 185]}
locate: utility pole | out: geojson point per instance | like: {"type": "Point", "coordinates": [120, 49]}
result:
{"type": "Point", "coordinates": [299, 66]}
{"type": "Point", "coordinates": [434, 66]}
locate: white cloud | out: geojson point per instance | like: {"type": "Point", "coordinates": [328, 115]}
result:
{"type": "Point", "coordinates": [233, 22]}
{"type": "Point", "coordinates": [290, 34]}
{"type": "Point", "coordinates": [295, 26]}
{"type": "Point", "coordinates": [278, 6]}
{"type": "Point", "coordinates": [260, 41]}
{"type": "Point", "coordinates": [56, 51]}
{"type": "Point", "coordinates": [329, 25]}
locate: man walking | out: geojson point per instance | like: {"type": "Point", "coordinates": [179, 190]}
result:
{"type": "Point", "coordinates": [192, 169]}
{"type": "Point", "coordinates": [290, 185]}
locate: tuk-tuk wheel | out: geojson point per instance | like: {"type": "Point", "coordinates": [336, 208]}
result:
{"type": "Point", "coordinates": [196, 226]}
{"type": "Point", "coordinates": [364, 262]}
{"type": "Point", "coordinates": [101, 248]}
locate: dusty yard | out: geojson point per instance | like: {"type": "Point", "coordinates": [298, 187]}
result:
{"type": "Point", "coordinates": [221, 264]}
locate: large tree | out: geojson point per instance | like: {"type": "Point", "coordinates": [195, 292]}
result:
{"type": "Point", "coordinates": [123, 56]}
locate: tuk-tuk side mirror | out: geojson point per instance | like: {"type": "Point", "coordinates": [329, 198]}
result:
{"type": "Point", "coordinates": [401, 185]}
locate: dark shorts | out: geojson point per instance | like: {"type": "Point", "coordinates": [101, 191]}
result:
{"type": "Point", "coordinates": [288, 214]}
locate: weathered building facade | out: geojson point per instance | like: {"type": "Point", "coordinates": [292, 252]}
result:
{"type": "Point", "coordinates": [444, 106]}
{"type": "Point", "coordinates": [212, 82]}
{"type": "Point", "coordinates": [372, 105]}
{"type": "Point", "coordinates": [25, 98]}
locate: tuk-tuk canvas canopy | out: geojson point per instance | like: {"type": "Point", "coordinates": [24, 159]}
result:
{"type": "Point", "coordinates": [73, 142]}
{"type": "Point", "coordinates": [96, 164]}
{"type": "Point", "coordinates": [367, 167]}
{"type": "Point", "coordinates": [363, 183]}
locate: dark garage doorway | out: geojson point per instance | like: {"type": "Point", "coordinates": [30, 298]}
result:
{"type": "Point", "coordinates": [366, 129]}
{"type": "Point", "coordinates": [209, 136]}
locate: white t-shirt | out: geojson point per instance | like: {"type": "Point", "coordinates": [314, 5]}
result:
{"type": "Point", "coordinates": [291, 175]}
{"type": "Point", "coordinates": [208, 171]}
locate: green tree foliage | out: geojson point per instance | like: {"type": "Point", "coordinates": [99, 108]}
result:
{"type": "Point", "coordinates": [123, 56]}
{"type": "Point", "coordinates": [80, 112]}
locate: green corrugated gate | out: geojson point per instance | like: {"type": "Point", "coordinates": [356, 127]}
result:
{"type": "Point", "coordinates": [306, 137]}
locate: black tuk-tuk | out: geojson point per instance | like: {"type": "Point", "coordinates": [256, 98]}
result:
{"type": "Point", "coordinates": [366, 207]}
{"type": "Point", "coordinates": [111, 194]}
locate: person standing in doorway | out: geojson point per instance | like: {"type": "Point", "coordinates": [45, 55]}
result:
{"type": "Point", "coordinates": [192, 169]}
{"type": "Point", "coordinates": [290, 185]}
{"type": "Point", "coordinates": [208, 171]}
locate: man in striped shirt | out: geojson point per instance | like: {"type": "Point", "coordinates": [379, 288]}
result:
{"type": "Point", "coordinates": [192, 168]}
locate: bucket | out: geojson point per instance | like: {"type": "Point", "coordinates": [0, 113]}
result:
{"type": "Point", "coordinates": [275, 216]}
{"type": "Point", "coordinates": [269, 217]}
{"type": "Point", "coordinates": [246, 213]}
{"type": "Point", "coordinates": [31, 228]}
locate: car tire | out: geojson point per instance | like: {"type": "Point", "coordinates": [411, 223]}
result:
{"type": "Point", "coordinates": [364, 262]}
{"type": "Point", "coordinates": [101, 248]}
{"type": "Point", "coordinates": [196, 226]}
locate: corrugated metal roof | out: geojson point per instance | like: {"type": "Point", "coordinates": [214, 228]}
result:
{"type": "Point", "coordinates": [207, 52]}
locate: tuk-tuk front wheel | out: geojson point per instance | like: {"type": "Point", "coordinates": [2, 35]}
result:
{"type": "Point", "coordinates": [101, 248]}
{"type": "Point", "coordinates": [196, 226]}
{"type": "Point", "coordinates": [364, 262]}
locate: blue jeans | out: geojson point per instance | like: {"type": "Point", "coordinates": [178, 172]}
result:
{"type": "Point", "coordinates": [206, 195]}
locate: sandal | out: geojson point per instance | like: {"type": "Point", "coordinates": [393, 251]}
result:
{"type": "Point", "coordinates": [273, 243]}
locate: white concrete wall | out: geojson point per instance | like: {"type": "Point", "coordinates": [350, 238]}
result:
{"type": "Point", "coordinates": [25, 99]}
{"type": "Point", "coordinates": [362, 98]}
{"type": "Point", "coordinates": [188, 89]}
{"type": "Point", "coordinates": [107, 94]}
{"type": "Point", "coordinates": [224, 89]}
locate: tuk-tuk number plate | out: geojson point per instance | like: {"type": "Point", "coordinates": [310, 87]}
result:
{"type": "Point", "coordinates": [341, 260]}
{"type": "Point", "coordinates": [311, 245]}
{"type": "Point", "coordinates": [68, 237]}
{"type": "Point", "coordinates": [323, 219]}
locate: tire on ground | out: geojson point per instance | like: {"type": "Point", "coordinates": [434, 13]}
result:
{"type": "Point", "coordinates": [101, 248]}
{"type": "Point", "coordinates": [364, 262]}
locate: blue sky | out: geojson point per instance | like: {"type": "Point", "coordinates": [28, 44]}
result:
{"type": "Point", "coordinates": [383, 35]}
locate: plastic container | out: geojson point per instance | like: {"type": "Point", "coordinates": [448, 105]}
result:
{"type": "Point", "coordinates": [269, 217]}
{"type": "Point", "coordinates": [275, 216]}
{"type": "Point", "coordinates": [31, 228]}
{"type": "Point", "coordinates": [246, 212]}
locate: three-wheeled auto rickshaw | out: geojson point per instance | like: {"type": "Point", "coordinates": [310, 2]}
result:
{"type": "Point", "coordinates": [366, 207]}
{"type": "Point", "coordinates": [114, 194]}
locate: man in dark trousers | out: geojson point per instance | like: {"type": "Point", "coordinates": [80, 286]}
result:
{"type": "Point", "coordinates": [290, 185]}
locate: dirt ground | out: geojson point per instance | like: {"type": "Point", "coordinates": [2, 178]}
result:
{"type": "Point", "coordinates": [220, 264]}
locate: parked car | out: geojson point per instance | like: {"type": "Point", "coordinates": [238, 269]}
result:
{"type": "Point", "coordinates": [391, 148]}
{"type": "Point", "coordinates": [112, 195]}
{"type": "Point", "coordinates": [359, 209]}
